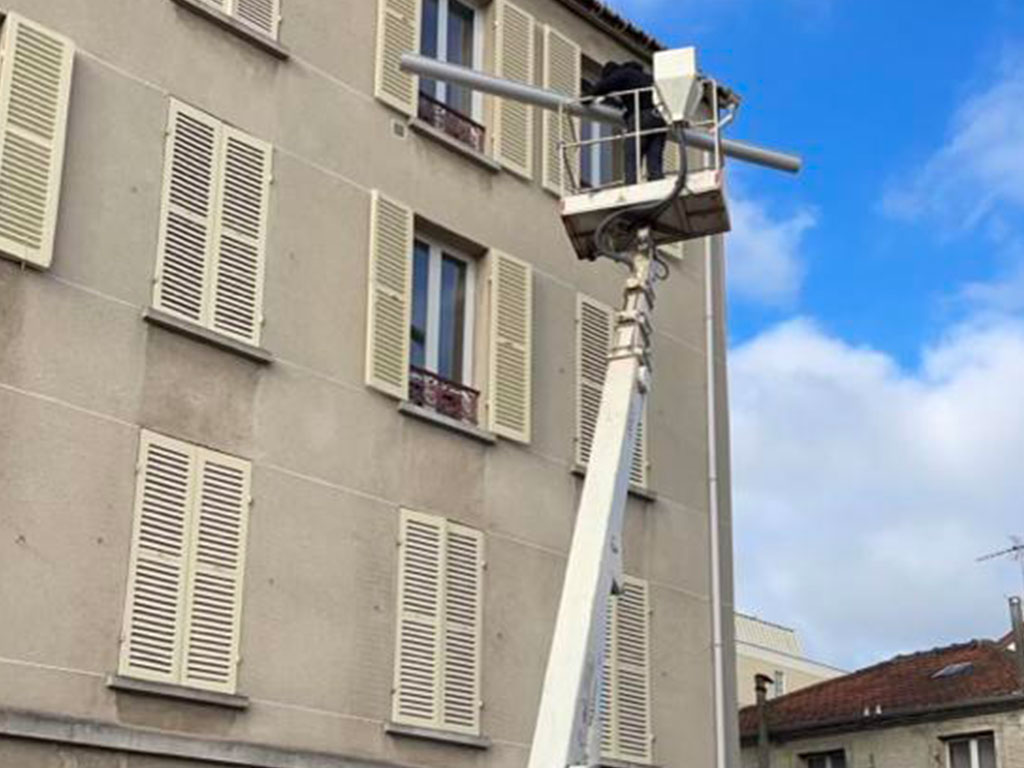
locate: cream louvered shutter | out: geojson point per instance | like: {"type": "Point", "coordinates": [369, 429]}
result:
{"type": "Point", "coordinates": [606, 697]}
{"type": "Point", "coordinates": [417, 686]}
{"type": "Point", "coordinates": [390, 296]}
{"type": "Point", "coordinates": [595, 324]}
{"type": "Point", "coordinates": [511, 339]}
{"type": "Point", "coordinates": [398, 32]}
{"type": "Point", "coordinates": [463, 584]}
{"type": "Point", "coordinates": [626, 696]}
{"type": "Point", "coordinates": [154, 611]}
{"type": "Point", "coordinates": [593, 340]}
{"type": "Point", "coordinates": [262, 15]}
{"type": "Point", "coordinates": [562, 73]}
{"type": "Point", "coordinates": [213, 602]}
{"type": "Point", "coordinates": [515, 61]}
{"type": "Point", "coordinates": [241, 234]}
{"type": "Point", "coordinates": [35, 85]}
{"type": "Point", "coordinates": [188, 213]}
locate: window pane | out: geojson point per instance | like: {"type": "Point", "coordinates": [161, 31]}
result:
{"type": "Point", "coordinates": [960, 754]}
{"type": "Point", "coordinates": [460, 51]}
{"type": "Point", "coordinates": [607, 156]}
{"type": "Point", "coordinates": [838, 760]}
{"type": "Point", "coordinates": [428, 42]}
{"type": "Point", "coordinates": [817, 761]}
{"type": "Point", "coordinates": [586, 156]}
{"type": "Point", "coordinates": [987, 752]}
{"type": "Point", "coordinates": [420, 277]}
{"type": "Point", "coordinates": [450, 350]}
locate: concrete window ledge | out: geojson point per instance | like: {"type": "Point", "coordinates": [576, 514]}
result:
{"type": "Point", "coordinates": [469, 430]}
{"type": "Point", "coordinates": [609, 763]}
{"type": "Point", "coordinates": [646, 494]}
{"type": "Point", "coordinates": [235, 27]}
{"type": "Point", "coordinates": [426, 129]}
{"type": "Point", "coordinates": [432, 734]}
{"type": "Point", "coordinates": [150, 688]}
{"type": "Point", "coordinates": [198, 332]}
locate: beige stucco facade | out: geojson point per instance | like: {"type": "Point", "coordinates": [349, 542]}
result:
{"type": "Point", "coordinates": [765, 648]}
{"type": "Point", "coordinates": [918, 745]}
{"type": "Point", "coordinates": [333, 461]}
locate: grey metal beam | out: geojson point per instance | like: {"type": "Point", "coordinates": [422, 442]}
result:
{"type": "Point", "coordinates": [545, 99]}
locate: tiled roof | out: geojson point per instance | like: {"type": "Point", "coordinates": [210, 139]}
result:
{"type": "Point", "coordinates": [616, 23]}
{"type": "Point", "coordinates": [904, 685]}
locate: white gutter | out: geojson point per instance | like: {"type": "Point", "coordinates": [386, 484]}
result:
{"type": "Point", "coordinates": [717, 650]}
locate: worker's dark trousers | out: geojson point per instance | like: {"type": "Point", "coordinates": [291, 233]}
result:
{"type": "Point", "coordinates": [652, 146]}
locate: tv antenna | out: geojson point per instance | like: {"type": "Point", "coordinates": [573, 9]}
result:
{"type": "Point", "coordinates": [1015, 552]}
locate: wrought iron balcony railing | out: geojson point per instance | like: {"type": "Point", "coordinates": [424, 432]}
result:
{"type": "Point", "coordinates": [456, 401]}
{"type": "Point", "coordinates": [452, 122]}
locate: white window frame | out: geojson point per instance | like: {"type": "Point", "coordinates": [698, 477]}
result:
{"type": "Point", "coordinates": [972, 741]}
{"type": "Point", "coordinates": [437, 251]}
{"type": "Point", "coordinates": [829, 757]}
{"type": "Point", "coordinates": [478, 51]}
{"type": "Point", "coordinates": [779, 683]}
{"type": "Point", "coordinates": [596, 156]}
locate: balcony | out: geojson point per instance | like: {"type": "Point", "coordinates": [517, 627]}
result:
{"type": "Point", "coordinates": [428, 390]}
{"type": "Point", "coordinates": [452, 123]}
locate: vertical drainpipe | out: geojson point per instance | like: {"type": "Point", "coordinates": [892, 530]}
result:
{"type": "Point", "coordinates": [717, 650]}
{"type": "Point", "coordinates": [1017, 621]}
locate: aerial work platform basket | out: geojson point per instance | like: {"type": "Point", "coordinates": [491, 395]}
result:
{"type": "Point", "coordinates": [698, 211]}
{"type": "Point", "coordinates": [697, 208]}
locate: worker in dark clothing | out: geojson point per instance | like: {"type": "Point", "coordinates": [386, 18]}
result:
{"type": "Point", "coordinates": [629, 77]}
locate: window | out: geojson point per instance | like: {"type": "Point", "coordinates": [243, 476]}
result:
{"type": "Point", "coordinates": [779, 687]}
{"type": "Point", "coordinates": [441, 331]}
{"type": "Point", "coordinates": [421, 324]}
{"type": "Point", "coordinates": [598, 165]}
{"type": "Point", "coordinates": [625, 699]}
{"type": "Point", "coordinates": [452, 31]}
{"type": "Point", "coordinates": [213, 225]}
{"type": "Point", "coordinates": [183, 607]}
{"type": "Point", "coordinates": [263, 16]}
{"type": "Point", "coordinates": [35, 85]}
{"type": "Point", "coordinates": [836, 759]}
{"type": "Point", "coordinates": [597, 161]}
{"type": "Point", "coordinates": [972, 751]}
{"type": "Point", "coordinates": [437, 656]}
{"type": "Point", "coordinates": [595, 324]}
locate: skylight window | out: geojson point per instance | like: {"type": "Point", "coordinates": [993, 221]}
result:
{"type": "Point", "coordinates": [954, 670]}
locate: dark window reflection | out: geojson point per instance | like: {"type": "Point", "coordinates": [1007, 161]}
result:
{"type": "Point", "coordinates": [420, 301]}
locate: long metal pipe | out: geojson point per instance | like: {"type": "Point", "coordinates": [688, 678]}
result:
{"type": "Point", "coordinates": [545, 99]}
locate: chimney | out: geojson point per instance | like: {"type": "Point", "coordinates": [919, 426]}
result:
{"type": "Point", "coordinates": [1017, 620]}
{"type": "Point", "coordinates": [761, 686]}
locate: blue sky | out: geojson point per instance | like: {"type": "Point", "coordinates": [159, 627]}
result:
{"type": "Point", "coordinates": [876, 312]}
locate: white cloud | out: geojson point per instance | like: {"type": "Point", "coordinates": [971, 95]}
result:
{"type": "Point", "coordinates": [864, 492]}
{"type": "Point", "coordinates": [765, 260]}
{"type": "Point", "coordinates": [979, 168]}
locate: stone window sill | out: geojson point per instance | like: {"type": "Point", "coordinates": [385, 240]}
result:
{"type": "Point", "coordinates": [433, 734]}
{"type": "Point", "coordinates": [634, 490]}
{"type": "Point", "coordinates": [167, 690]}
{"type": "Point", "coordinates": [470, 430]}
{"type": "Point", "coordinates": [607, 762]}
{"type": "Point", "coordinates": [426, 129]}
{"type": "Point", "coordinates": [198, 332]}
{"type": "Point", "coordinates": [235, 27]}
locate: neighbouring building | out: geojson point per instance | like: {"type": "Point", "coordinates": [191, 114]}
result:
{"type": "Point", "coordinates": [298, 376]}
{"type": "Point", "coordinates": [765, 648]}
{"type": "Point", "coordinates": [956, 707]}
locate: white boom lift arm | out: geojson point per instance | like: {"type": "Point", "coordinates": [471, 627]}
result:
{"type": "Point", "coordinates": [567, 732]}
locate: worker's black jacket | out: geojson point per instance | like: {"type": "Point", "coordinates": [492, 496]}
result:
{"type": "Point", "coordinates": [627, 77]}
